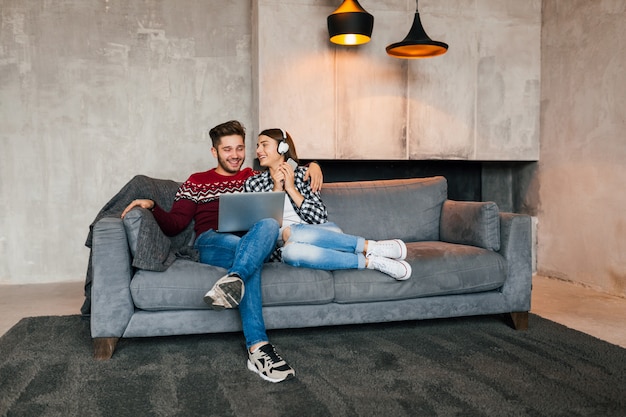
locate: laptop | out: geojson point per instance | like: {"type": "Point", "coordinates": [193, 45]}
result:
{"type": "Point", "coordinates": [239, 211]}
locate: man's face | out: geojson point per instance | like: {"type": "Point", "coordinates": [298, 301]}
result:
{"type": "Point", "coordinates": [230, 154]}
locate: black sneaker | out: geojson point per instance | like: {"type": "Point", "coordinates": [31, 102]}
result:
{"type": "Point", "coordinates": [226, 293]}
{"type": "Point", "coordinates": [269, 365]}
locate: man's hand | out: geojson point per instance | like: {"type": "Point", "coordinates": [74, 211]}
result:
{"type": "Point", "coordinates": [314, 173]}
{"type": "Point", "coordinates": [147, 204]}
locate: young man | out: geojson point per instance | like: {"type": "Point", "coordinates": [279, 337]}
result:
{"type": "Point", "coordinates": [198, 199]}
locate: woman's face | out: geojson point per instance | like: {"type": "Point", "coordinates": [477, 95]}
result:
{"type": "Point", "coordinates": [267, 152]}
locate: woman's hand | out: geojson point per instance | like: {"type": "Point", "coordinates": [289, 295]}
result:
{"type": "Point", "coordinates": [289, 184]}
{"type": "Point", "coordinates": [289, 178]}
{"type": "Point", "coordinates": [147, 204]}
{"type": "Point", "coordinates": [278, 176]}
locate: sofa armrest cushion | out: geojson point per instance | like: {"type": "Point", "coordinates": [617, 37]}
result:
{"type": "Point", "coordinates": [471, 223]}
{"type": "Point", "coordinates": [151, 249]}
{"type": "Point", "coordinates": [132, 222]}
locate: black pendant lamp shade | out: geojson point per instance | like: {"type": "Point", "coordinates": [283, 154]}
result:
{"type": "Point", "coordinates": [417, 44]}
{"type": "Point", "coordinates": [350, 24]}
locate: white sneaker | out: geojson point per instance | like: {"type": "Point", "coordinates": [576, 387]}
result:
{"type": "Point", "coordinates": [226, 293]}
{"type": "Point", "coordinates": [399, 270]}
{"type": "Point", "coordinates": [394, 249]}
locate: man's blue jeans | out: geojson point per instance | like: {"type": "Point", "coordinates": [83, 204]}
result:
{"type": "Point", "coordinates": [323, 246]}
{"type": "Point", "coordinates": [243, 256]}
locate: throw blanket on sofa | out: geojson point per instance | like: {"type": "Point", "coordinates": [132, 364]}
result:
{"type": "Point", "coordinates": [155, 251]}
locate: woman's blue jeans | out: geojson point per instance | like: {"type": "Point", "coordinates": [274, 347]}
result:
{"type": "Point", "coordinates": [243, 256]}
{"type": "Point", "coordinates": [323, 246]}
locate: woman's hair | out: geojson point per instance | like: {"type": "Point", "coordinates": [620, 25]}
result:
{"type": "Point", "coordinates": [229, 128]}
{"type": "Point", "coordinates": [277, 135]}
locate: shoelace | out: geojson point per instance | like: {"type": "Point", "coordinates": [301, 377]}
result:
{"type": "Point", "coordinates": [272, 355]}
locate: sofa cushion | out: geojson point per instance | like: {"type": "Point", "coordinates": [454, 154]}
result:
{"type": "Point", "coordinates": [181, 286]}
{"type": "Point", "coordinates": [288, 285]}
{"type": "Point", "coordinates": [150, 247]}
{"type": "Point", "coordinates": [439, 268]}
{"type": "Point", "coordinates": [407, 209]}
{"type": "Point", "coordinates": [471, 223]}
{"type": "Point", "coordinates": [132, 222]}
{"type": "Point", "coordinates": [184, 284]}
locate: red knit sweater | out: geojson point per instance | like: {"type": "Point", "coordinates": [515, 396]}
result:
{"type": "Point", "coordinates": [198, 199]}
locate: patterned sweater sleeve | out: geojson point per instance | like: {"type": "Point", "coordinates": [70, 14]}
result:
{"type": "Point", "coordinates": [177, 219]}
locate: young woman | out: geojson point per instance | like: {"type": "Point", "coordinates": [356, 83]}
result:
{"type": "Point", "coordinates": [307, 239]}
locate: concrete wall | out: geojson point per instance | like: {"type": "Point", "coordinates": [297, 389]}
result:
{"type": "Point", "coordinates": [93, 92]}
{"type": "Point", "coordinates": [479, 101]}
{"type": "Point", "coordinates": [581, 177]}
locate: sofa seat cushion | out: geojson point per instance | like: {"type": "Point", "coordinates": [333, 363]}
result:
{"type": "Point", "coordinates": [287, 285]}
{"type": "Point", "coordinates": [439, 268]}
{"type": "Point", "coordinates": [184, 284]}
{"type": "Point", "coordinates": [181, 286]}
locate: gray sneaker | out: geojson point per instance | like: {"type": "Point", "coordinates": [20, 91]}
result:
{"type": "Point", "coordinates": [394, 248]}
{"type": "Point", "coordinates": [269, 365]}
{"type": "Point", "coordinates": [399, 270]}
{"type": "Point", "coordinates": [226, 293]}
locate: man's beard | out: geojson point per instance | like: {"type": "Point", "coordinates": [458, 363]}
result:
{"type": "Point", "coordinates": [227, 167]}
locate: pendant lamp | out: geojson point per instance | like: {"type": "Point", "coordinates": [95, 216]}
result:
{"type": "Point", "coordinates": [417, 44]}
{"type": "Point", "coordinates": [350, 24]}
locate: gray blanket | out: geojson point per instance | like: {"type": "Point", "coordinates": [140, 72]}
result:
{"type": "Point", "coordinates": [155, 251]}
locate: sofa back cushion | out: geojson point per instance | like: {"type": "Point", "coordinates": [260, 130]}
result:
{"type": "Point", "coordinates": [407, 209]}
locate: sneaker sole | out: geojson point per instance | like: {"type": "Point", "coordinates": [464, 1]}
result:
{"type": "Point", "coordinates": [403, 250]}
{"type": "Point", "coordinates": [220, 296]}
{"type": "Point", "coordinates": [213, 303]}
{"type": "Point", "coordinates": [409, 271]}
{"type": "Point", "coordinates": [253, 368]}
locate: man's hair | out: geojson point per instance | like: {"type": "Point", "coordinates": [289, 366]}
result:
{"type": "Point", "coordinates": [232, 127]}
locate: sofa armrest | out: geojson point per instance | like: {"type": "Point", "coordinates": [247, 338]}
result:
{"type": "Point", "coordinates": [516, 248]}
{"type": "Point", "coordinates": [111, 302]}
{"type": "Point", "coordinates": [150, 248]}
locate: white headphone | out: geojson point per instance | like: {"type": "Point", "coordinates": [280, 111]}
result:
{"type": "Point", "coordinates": [283, 146]}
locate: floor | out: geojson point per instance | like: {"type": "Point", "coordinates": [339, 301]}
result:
{"type": "Point", "coordinates": [572, 305]}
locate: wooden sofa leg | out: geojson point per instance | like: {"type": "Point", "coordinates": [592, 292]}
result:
{"type": "Point", "coordinates": [103, 347]}
{"type": "Point", "coordinates": [520, 320]}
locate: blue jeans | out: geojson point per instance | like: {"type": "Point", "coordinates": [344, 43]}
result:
{"type": "Point", "coordinates": [323, 246]}
{"type": "Point", "coordinates": [243, 256]}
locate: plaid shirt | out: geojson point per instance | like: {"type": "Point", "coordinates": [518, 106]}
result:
{"type": "Point", "coordinates": [312, 210]}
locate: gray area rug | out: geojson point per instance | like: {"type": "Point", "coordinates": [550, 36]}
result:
{"type": "Point", "coordinates": [475, 366]}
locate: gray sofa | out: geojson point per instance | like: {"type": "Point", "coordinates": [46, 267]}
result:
{"type": "Point", "coordinates": [467, 259]}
